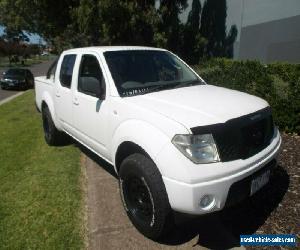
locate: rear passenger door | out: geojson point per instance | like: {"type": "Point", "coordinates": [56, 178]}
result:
{"type": "Point", "coordinates": [90, 108]}
{"type": "Point", "coordinates": [63, 93]}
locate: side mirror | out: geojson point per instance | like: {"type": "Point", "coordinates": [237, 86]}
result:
{"type": "Point", "coordinates": [100, 93]}
{"type": "Point", "coordinates": [91, 86]}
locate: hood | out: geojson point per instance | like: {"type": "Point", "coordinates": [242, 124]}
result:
{"type": "Point", "coordinates": [200, 105]}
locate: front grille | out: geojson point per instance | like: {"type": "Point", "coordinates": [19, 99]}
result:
{"type": "Point", "coordinates": [242, 137]}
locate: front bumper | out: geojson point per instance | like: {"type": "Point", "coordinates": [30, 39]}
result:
{"type": "Point", "coordinates": [9, 85]}
{"type": "Point", "coordinates": [216, 180]}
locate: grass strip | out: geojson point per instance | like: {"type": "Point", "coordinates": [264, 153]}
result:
{"type": "Point", "coordinates": [40, 190]}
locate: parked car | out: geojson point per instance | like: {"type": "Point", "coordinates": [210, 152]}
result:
{"type": "Point", "coordinates": [176, 143]}
{"type": "Point", "coordinates": [17, 78]}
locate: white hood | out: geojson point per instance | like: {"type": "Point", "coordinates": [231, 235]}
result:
{"type": "Point", "coordinates": [200, 105]}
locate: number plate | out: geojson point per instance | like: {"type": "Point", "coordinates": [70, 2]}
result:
{"type": "Point", "coordinates": [259, 182]}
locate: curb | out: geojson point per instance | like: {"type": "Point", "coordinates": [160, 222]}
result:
{"type": "Point", "coordinates": [11, 98]}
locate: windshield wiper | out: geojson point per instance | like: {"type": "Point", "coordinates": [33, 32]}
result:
{"type": "Point", "coordinates": [159, 87]}
{"type": "Point", "coordinates": [172, 85]}
{"type": "Point", "coordinates": [189, 83]}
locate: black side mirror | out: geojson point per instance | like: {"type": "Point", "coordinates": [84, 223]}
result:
{"type": "Point", "coordinates": [102, 89]}
{"type": "Point", "coordinates": [100, 93]}
{"type": "Point", "coordinates": [91, 86]}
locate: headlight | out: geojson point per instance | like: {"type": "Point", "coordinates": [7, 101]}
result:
{"type": "Point", "coordinates": [198, 148]}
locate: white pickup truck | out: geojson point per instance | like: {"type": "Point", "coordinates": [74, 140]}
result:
{"type": "Point", "coordinates": [176, 143]}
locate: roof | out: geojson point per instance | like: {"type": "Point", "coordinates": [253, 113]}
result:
{"type": "Point", "coordinates": [113, 48]}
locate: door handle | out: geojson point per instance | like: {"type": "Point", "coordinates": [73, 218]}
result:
{"type": "Point", "coordinates": [75, 102]}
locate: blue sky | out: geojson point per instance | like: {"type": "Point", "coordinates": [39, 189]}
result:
{"type": "Point", "coordinates": [34, 38]}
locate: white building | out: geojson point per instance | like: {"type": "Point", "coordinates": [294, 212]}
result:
{"type": "Point", "coordinates": [268, 30]}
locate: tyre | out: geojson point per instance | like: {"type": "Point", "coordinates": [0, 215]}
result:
{"type": "Point", "coordinates": [144, 196]}
{"type": "Point", "coordinates": [52, 135]}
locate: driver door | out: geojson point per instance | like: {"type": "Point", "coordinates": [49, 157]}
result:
{"type": "Point", "coordinates": [90, 109]}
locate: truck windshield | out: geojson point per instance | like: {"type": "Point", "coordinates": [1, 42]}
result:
{"type": "Point", "coordinates": [137, 72]}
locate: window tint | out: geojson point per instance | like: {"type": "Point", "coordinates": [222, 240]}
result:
{"type": "Point", "coordinates": [66, 70]}
{"type": "Point", "coordinates": [16, 72]}
{"type": "Point", "coordinates": [90, 80]}
{"type": "Point", "coordinates": [141, 71]}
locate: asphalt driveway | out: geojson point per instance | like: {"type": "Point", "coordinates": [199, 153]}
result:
{"type": "Point", "coordinates": [37, 70]}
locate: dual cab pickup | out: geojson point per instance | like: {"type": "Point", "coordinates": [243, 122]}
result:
{"type": "Point", "coordinates": [176, 143]}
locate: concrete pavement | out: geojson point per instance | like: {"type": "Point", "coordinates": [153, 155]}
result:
{"type": "Point", "coordinates": [109, 227]}
{"type": "Point", "coordinates": [7, 95]}
{"type": "Point", "coordinates": [7, 99]}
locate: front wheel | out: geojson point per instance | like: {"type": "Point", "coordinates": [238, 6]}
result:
{"type": "Point", "coordinates": [144, 196]}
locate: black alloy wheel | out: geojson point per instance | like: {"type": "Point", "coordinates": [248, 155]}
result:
{"type": "Point", "coordinates": [144, 196]}
{"type": "Point", "coordinates": [138, 199]}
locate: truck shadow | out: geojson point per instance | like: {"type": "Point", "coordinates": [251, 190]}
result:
{"type": "Point", "coordinates": [101, 162]}
{"type": "Point", "coordinates": [222, 230]}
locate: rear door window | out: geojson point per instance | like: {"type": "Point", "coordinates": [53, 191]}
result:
{"type": "Point", "coordinates": [66, 70]}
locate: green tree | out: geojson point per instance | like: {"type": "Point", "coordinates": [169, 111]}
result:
{"type": "Point", "coordinates": [74, 23]}
{"type": "Point", "coordinates": [230, 39]}
{"type": "Point", "coordinates": [170, 25]}
{"type": "Point", "coordinates": [2, 47]}
{"type": "Point", "coordinates": [116, 22]}
{"type": "Point", "coordinates": [47, 18]}
{"type": "Point", "coordinates": [194, 16]}
{"type": "Point", "coordinates": [15, 46]}
{"type": "Point", "coordinates": [213, 28]}
{"type": "Point", "coordinates": [86, 29]}
{"type": "Point", "coordinates": [132, 22]}
{"type": "Point", "coordinates": [193, 42]}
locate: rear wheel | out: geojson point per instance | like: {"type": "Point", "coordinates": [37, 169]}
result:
{"type": "Point", "coordinates": [52, 135]}
{"type": "Point", "coordinates": [144, 196]}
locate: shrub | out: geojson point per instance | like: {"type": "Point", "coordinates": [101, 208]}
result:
{"type": "Point", "coordinates": [278, 83]}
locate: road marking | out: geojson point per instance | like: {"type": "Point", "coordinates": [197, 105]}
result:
{"type": "Point", "coordinates": [11, 97]}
